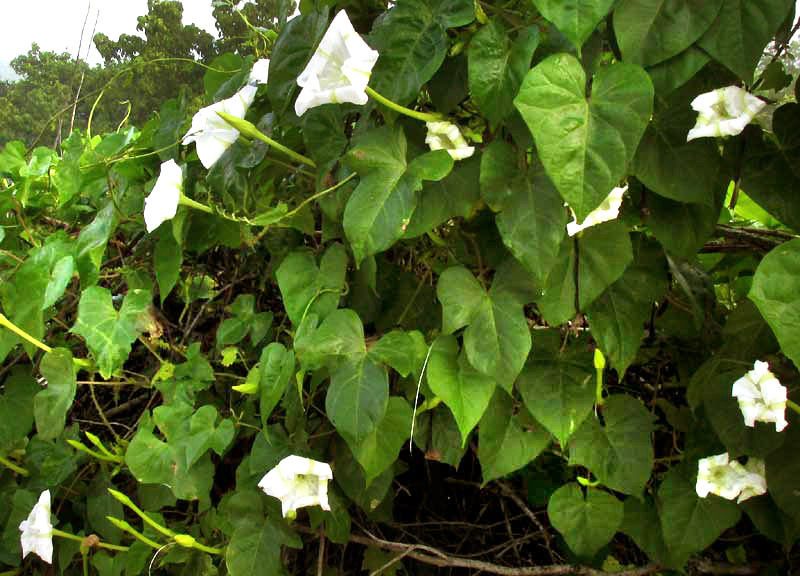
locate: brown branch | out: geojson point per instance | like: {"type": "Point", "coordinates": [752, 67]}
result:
{"type": "Point", "coordinates": [509, 492]}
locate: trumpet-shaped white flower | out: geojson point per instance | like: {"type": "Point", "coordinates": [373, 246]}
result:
{"type": "Point", "coordinates": [162, 203]}
{"type": "Point", "coordinates": [752, 478]}
{"type": "Point", "coordinates": [298, 482]}
{"type": "Point", "coordinates": [211, 133]}
{"type": "Point", "coordinates": [339, 70]}
{"type": "Point", "coordinates": [717, 476]}
{"type": "Point", "coordinates": [608, 210]}
{"type": "Point", "coordinates": [447, 136]}
{"type": "Point", "coordinates": [723, 112]}
{"type": "Point", "coordinates": [761, 397]}
{"type": "Point", "coordinates": [259, 73]}
{"type": "Point", "coordinates": [37, 531]}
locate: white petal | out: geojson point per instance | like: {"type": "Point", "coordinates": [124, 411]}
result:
{"type": "Point", "coordinates": [37, 530]}
{"type": "Point", "coordinates": [298, 482]}
{"type": "Point", "coordinates": [162, 203]}
{"type": "Point", "coordinates": [447, 136]}
{"type": "Point", "coordinates": [608, 210]}
{"type": "Point", "coordinates": [724, 112]}
{"type": "Point", "coordinates": [259, 73]}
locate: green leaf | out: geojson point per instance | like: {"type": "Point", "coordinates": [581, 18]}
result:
{"type": "Point", "coordinates": [774, 292]}
{"type": "Point", "coordinates": [276, 368]}
{"type": "Point", "coordinates": [290, 54]}
{"type": "Point", "coordinates": [641, 523]}
{"type": "Point", "coordinates": [91, 244]}
{"type": "Point", "coordinates": [558, 385]}
{"type": "Point", "coordinates": [436, 433]}
{"type": "Point", "coordinates": [222, 70]}
{"type": "Point", "coordinates": [681, 228]}
{"type": "Point", "coordinates": [575, 19]}
{"type": "Point", "coordinates": [783, 468]}
{"type": "Point", "coordinates": [16, 408]}
{"type": "Point", "coordinates": [67, 175]}
{"type": "Point", "coordinates": [454, 13]}
{"type": "Point", "coordinates": [621, 453]}
{"type": "Point", "coordinates": [651, 31]}
{"type": "Point", "coordinates": [357, 399]}
{"type": "Point", "coordinates": [675, 72]}
{"type": "Point", "coordinates": [617, 317]}
{"type": "Point", "coordinates": [741, 31]}
{"type": "Point", "coordinates": [167, 259]}
{"type": "Point", "coordinates": [587, 524]}
{"type": "Point", "coordinates": [500, 164]}
{"type": "Point", "coordinates": [403, 351]}
{"type": "Point", "coordinates": [307, 289]}
{"type": "Point", "coordinates": [233, 330]}
{"type": "Point", "coordinates": [585, 146]}
{"type": "Point", "coordinates": [463, 389]}
{"type": "Point", "coordinates": [604, 254]}
{"type": "Point", "coordinates": [323, 133]}
{"type": "Point", "coordinates": [497, 65]}
{"type": "Point", "coordinates": [689, 523]}
{"type": "Point", "coordinates": [255, 547]}
{"type": "Point", "coordinates": [108, 333]}
{"type": "Point", "coordinates": [497, 339]}
{"type": "Point", "coordinates": [60, 277]}
{"type": "Point", "coordinates": [771, 520]}
{"type": "Point", "coordinates": [50, 406]}
{"type": "Point", "coordinates": [506, 442]}
{"type": "Point", "coordinates": [341, 334]}
{"type": "Point", "coordinates": [412, 43]}
{"type": "Point", "coordinates": [99, 504]}
{"type": "Point", "coordinates": [380, 208]}
{"type": "Point", "coordinates": [377, 451]}
{"type": "Point", "coordinates": [533, 222]}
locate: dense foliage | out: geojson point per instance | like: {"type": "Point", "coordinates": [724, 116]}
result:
{"type": "Point", "coordinates": [331, 284]}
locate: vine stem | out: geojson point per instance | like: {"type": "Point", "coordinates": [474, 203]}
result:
{"type": "Point", "coordinates": [793, 406]}
{"type": "Point", "coordinates": [68, 536]}
{"type": "Point", "coordinates": [11, 466]}
{"type": "Point", "coordinates": [22, 334]}
{"type": "Point", "coordinates": [248, 129]}
{"type": "Point", "coordinates": [424, 116]}
{"type": "Point", "coordinates": [186, 201]}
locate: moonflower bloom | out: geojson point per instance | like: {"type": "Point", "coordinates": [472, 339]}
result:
{"type": "Point", "coordinates": [752, 478]}
{"type": "Point", "coordinates": [339, 70]}
{"type": "Point", "coordinates": [211, 133]}
{"type": "Point", "coordinates": [447, 136]}
{"type": "Point", "coordinates": [298, 482]}
{"type": "Point", "coordinates": [162, 203]}
{"type": "Point", "coordinates": [724, 112]}
{"type": "Point", "coordinates": [259, 73]}
{"type": "Point", "coordinates": [608, 210]}
{"type": "Point", "coordinates": [37, 531]}
{"type": "Point", "coordinates": [716, 475]}
{"type": "Point", "coordinates": [761, 397]}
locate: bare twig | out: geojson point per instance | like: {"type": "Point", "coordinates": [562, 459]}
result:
{"type": "Point", "coordinates": [514, 497]}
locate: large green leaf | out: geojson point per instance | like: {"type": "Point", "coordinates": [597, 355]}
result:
{"type": "Point", "coordinates": [412, 43]}
{"type": "Point", "coordinates": [585, 145]}
{"type": "Point", "coordinates": [651, 31]}
{"type": "Point", "coordinates": [533, 221]}
{"type": "Point", "coordinates": [617, 317]}
{"type": "Point", "coordinates": [741, 31]}
{"type": "Point", "coordinates": [507, 442]}
{"type": "Point", "coordinates": [340, 335]}
{"type": "Point", "coordinates": [675, 72]}
{"type": "Point", "coordinates": [463, 389]}
{"type": "Point", "coordinates": [91, 244]}
{"type": "Point", "coordinates": [403, 351]}
{"type": "Point", "coordinates": [681, 228]}
{"type": "Point", "coordinates": [60, 277]}
{"type": "Point", "coordinates": [604, 252]}
{"type": "Point", "coordinates": [255, 548]}
{"type": "Point", "coordinates": [16, 408]}
{"type": "Point", "coordinates": [587, 524]}
{"type": "Point", "coordinates": [380, 208]}
{"type": "Point", "coordinates": [497, 339]}
{"type": "Point", "coordinates": [774, 292]}
{"type": "Point", "coordinates": [276, 368]}
{"type": "Point", "coordinates": [50, 406]}
{"type": "Point", "coordinates": [620, 453]}
{"type": "Point", "coordinates": [558, 385]}
{"type": "Point", "coordinates": [167, 260]}
{"type": "Point", "coordinates": [357, 399]}
{"type": "Point", "coordinates": [378, 450]}
{"type": "Point", "coordinates": [108, 333]}
{"type": "Point", "coordinates": [783, 469]}
{"type": "Point", "coordinates": [576, 19]}
{"type": "Point", "coordinates": [308, 289]}
{"type": "Point", "coordinates": [497, 65]}
{"type": "Point", "coordinates": [690, 523]}
{"type": "Point", "coordinates": [641, 523]}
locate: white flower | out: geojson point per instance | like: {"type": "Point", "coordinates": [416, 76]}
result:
{"type": "Point", "coordinates": [761, 397]}
{"type": "Point", "coordinates": [162, 203]}
{"type": "Point", "coordinates": [211, 133]}
{"type": "Point", "coordinates": [339, 70]}
{"type": "Point", "coordinates": [608, 210]}
{"type": "Point", "coordinates": [752, 478]}
{"type": "Point", "coordinates": [298, 482]}
{"type": "Point", "coordinates": [447, 136]}
{"type": "Point", "coordinates": [723, 112]}
{"type": "Point", "coordinates": [259, 73]}
{"type": "Point", "coordinates": [715, 475]}
{"type": "Point", "coordinates": [37, 531]}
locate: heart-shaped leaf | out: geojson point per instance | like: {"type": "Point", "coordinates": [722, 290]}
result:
{"type": "Point", "coordinates": [587, 524]}
{"type": "Point", "coordinates": [576, 19]}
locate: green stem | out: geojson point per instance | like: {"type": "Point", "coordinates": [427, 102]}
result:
{"type": "Point", "coordinates": [11, 466]}
{"type": "Point", "coordinates": [85, 555]}
{"type": "Point", "coordinates": [189, 541]}
{"type": "Point", "coordinates": [22, 334]}
{"type": "Point", "coordinates": [68, 536]}
{"type": "Point", "coordinates": [319, 194]}
{"type": "Point", "coordinates": [186, 201]}
{"type": "Point", "coordinates": [599, 366]}
{"type": "Point", "coordinates": [249, 129]}
{"type": "Point", "coordinates": [793, 406]}
{"type": "Point", "coordinates": [79, 446]}
{"type": "Point", "coordinates": [424, 116]}
{"type": "Point", "coordinates": [122, 525]}
{"type": "Point", "coordinates": [208, 549]}
{"type": "Point", "coordinates": [139, 512]}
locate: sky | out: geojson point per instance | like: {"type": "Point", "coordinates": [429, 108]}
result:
{"type": "Point", "coordinates": [56, 24]}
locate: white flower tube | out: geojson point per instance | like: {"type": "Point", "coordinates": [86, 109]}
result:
{"type": "Point", "coordinates": [259, 73]}
{"type": "Point", "coordinates": [447, 136]}
{"type": "Point", "coordinates": [761, 397]}
{"type": "Point", "coordinates": [723, 112]}
{"type": "Point", "coordinates": [162, 203]}
{"type": "Point", "coordinates": [298, 482]}
{"type": "Point", "coordinates": [608, 210]}
{"type": "Point", "coordinates": [339, 70]}
{"type": "Point", "coordinates": [211, 133]}
{"type": "Point", "coordinates": [37, 531]}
